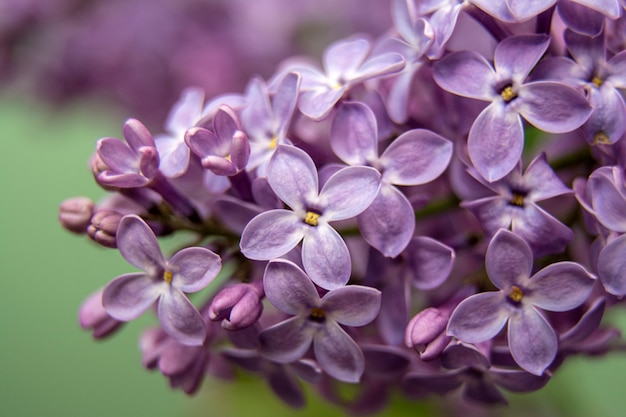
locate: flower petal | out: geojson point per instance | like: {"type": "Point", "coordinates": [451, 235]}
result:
{"type": "Point", "coordinates": [271, 234]}
{"type": "Point", "coordinates": [353, 134]}
{"type": "Point", "coordinates": [337, 354]}
{"type": "Point", "coordinates": [466, 73]}
{"type": "Point", "coordinates": [288, 288]}
{"type": "Point", "coordinates": [517, 55]}
{"type": "Point", "coordinates": [349, 191]}
{"type": "Point", "coordinates": [496, 141]}
{"type": "Point", "coordinates": [416, 157]}
{"type": "Point", "coordinates": [194, 268]}
{"type": "Point", "coordinates": [325, 257]}
{"type": "Point", "coordinates": [180, 319]}
{"type": "Point", "coordinates": [479, 317]}
{"type": "Point", "coordinates": [612, 266]}
{"type": "Point", "coordinates": [288, 340]}
{"type": "Point", "coordinates": [509, 260]}
{"type": "Point", "coordinates": [293, 176]}
{"type": "Point", "coordinates": [128, 296]}
{"type": "Point", "coordinates": [430, 262]}
{"type": "Point", "coordinates": [138, 244]}
{"type": "Point", "coordinates": [561, 286]}
{"type": "Point", "coordinates": [532, 340]}
{"type": "Point", "coordinates": [352, 305]}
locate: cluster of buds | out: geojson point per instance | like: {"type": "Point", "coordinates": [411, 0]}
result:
{"type": "Point", "coordinates": [439, 210]}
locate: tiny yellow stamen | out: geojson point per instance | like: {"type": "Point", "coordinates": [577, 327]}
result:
{"type": "Point", "coordinates": [228, 158]}
{"type": "Point", "coordinates": [508, 94]}
{"type": "Point", "coordinates": [516, 294]}
{"type": "Point", "coordinates": [317, 314]}
{"type": "Point", "coordinates": [167, 276]}
{"type": "Point", "coordinates": [311, 218]}
{"type": "Point", "coordinates": [601, 138]}
{"type": "Point", "coordinates": [273, 143]}
{"type": "Point", "coordinates": [597, 81]}
{"type": "Point", "coordinates": [517, 200]}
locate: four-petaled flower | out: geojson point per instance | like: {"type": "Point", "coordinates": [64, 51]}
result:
{"type": "Point", "coordinates": [128, 296]}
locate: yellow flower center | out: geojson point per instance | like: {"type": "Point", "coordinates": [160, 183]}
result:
{"type": "Point", "coordinates": [601, 138]}
{"type": "Point", "coordinates": [273, 143]}
{"type": "Point", "coordinates": [597, 81]}
{"type": "Point", "coordinates": [516, 294]}
{"type": "Point", "coordinates": [517, 200]}
{"type": "Point", "coordinates": [317, 314]}
{"type": "Point", "coordinates": [508, 94]}
{"type": "Point", "coordinates": [167, 276]}
{"type": "Point", "coordinates": [311, 218]}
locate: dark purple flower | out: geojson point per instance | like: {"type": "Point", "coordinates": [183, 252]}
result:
{"type": "Point", "coordinates": [128, 296]}
{"type": "Point", "coordinates": [558, 287]}
{"type": "Point", "coordinates": [316, 320]}
{"type": "Point", "coordinates": [293, 177]}
{"type": "Point", "coordinates": [496, 138]}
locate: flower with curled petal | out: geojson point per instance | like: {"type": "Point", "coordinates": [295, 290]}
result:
{"type": "Point", "coordinates": [128, 296]}
{"type": "Point", "coordinates": [316, 320]}
{"type": "Point", "coordinates": [533, 343]}
{"type": "Point", "coordinates": [293, 177]}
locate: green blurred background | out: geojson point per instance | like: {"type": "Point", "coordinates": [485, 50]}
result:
{"type": "Point", "coordinates": [49, 367]}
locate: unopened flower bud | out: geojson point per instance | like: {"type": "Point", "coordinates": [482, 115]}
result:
{"type": "Point", "coordinates": [92, 315]}
{"type": "Point", "coordinates": [238, 306]}
{"type": "Point", "coordinates": [75, 214]}
{"type": "Point", "coordinates": [103, 228]}
{"type": "Point", "coordinates": [425, 329]}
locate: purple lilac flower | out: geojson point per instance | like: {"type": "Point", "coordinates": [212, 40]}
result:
{"type": "Point", "coordinates": [189, 270]}
{"type": "Point", "coordinates": [316, 320]}
{"type": "Point", "coordinates": [346, 63]}
{"type": "Point", "coordinates": [238, 306]}
{"type": "Point", "coordinates": [515, 207]}
{"type": "Point", "coordinates": [92, 315]}
{"type": "Point", "coordinates": [293, 177]}
{"type": "Point", "coordinates": [496, 138]}
{"type": "Point", "coordinates": [560, 286]}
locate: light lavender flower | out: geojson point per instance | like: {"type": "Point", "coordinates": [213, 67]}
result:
{"type": "Point", "coordinates": [316, 320]}
{"type": "Point", "coordinates": [128, 296]}
{"type": "Point", "coordinates": [558, 287]}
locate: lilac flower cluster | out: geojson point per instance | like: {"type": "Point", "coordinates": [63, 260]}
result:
{"type": "Point", "coordinates": [442, 209]}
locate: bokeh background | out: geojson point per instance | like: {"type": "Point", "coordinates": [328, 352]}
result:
{"type": "Point", "coordinates": [72, 71]}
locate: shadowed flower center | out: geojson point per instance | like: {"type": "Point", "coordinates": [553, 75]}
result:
{"type": "Point", "coordinates": [167, 276]}
{"type": "Point", "coordinates": [317, 315]}
{"type": "Point", "coordinates": [507, 93]}
{"type": "Point", "coordinates": [311, 218]}
{"type": "Point", "coordinates": [601, 138]}
{"type": "Point", "coordinates": [597, 81]}
{"type": "Point", "coordinates": [517, 198]}
{"type": "Point", "coordinates": [516, 294]}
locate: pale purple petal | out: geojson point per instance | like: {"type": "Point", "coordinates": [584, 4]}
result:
{"type": "Point", "coordinates": [219, 165]}
{"type": "Point", "coordinates": [551, 106]}
{"type": "Point", "coordinates": [186, 112]}
{"type": "Point", "coordinates": [178, 358]}
{"type": "Point", "coordinates": [194, 268]}
{"type": "Point", "coordinates": [289, 289]}
{"type": "Point", "coordinates": [349, 191]}
{"type": "Point", "coordinates": [138, 245]}
{"type": "Point", "coordinates": [518, 381]}
{"type": "Point", "coordinates": [580, 18]}
{"type": "Point", "coordinates": [416, 157]}
{"type": "Point", "coordinates": [493, 213]}
{"type": "Point", "coordinates": [509, 260]}
{"type": "Point", "coordinates": [117, 155]}
{"type": "Point", "coordinates": [430, 262]}
{"type": "Point", "coordinates": [285, 100]}
{"type": "Point", "coordinates": [271, 234]}
{"type": "Point", "coordinates": [317, 104]}
{"type": "Point", "coordinates": [337, 354]}
{"type": "Point", "coordinates": [130, 295]}
{"type": "Point", "coordinates": [174, 154]}
{"type": "Point", "coordinates": [560, 286]}
{"type": "Point", "coordinates": [377, 66]}
{"type": "Point", "coordinates": [293, 176]}
{"type": "Point", "coordinates": [496, 141]}
{"type": "Point", "coordinates": [612, 266]}
{"type": "Point", "coordinates": [466, 73]}
{"type": "Point", "coordinates": [137, 135]}
{"type": "Point", "coordinates": [463, 356]}
{"type": "Point", "coordinates": [544, 233]}
{"type": "Point", "coordinates": [345, 57]}
{"type": "Point", "coordinates": [542, 181]}
{"type": "Point", "coordinates": [389, 222]}
{"type": "Point", "coordinates": [180, 319]}
{"type": "Point", "coordinates": [352, 305]}
{"type": "Point", "coordinates": [517, 55]}
{"type": "Point", "coordinates": [353, 134]}
{"type": "Point", "coordinates": [526, 9]}
{"type": "Point", "coordinates": [532, 340]}
{"type": "Point", "coordinates": [325, 257]}
{"type": "Point", "coordinates": [608, 117]}
{"type": "Point", "coordinates": [608, 201]}
{"type": "Point", "coordinates": [479, 317]}
{"type": "Point", "coordinates": [288, 340]}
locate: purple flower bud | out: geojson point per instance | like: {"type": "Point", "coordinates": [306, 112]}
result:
{"type": "Point", "coordinates": [75, 214]}
{"type": "Point", "coordinates": [425, 327]}
{"type": "Point", "coordinates": [238, 306]}
{"type": "Point", "coordinates": [93, 316]}
{"type": "Point", "coordinates": [103, 228]}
